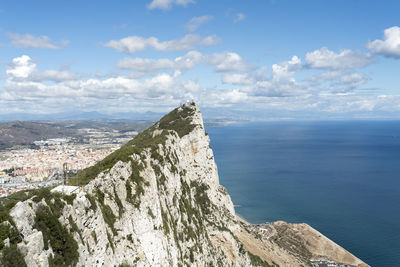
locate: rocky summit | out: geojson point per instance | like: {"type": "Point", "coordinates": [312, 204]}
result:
{"type": "Point", "coordinates": [156, 201]}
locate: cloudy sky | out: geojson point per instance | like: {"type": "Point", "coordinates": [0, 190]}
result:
{"type": "Point", "coordinates": [262, 58]}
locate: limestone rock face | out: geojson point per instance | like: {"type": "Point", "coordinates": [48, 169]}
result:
{"type": "Point", "coordinates": [24, 216]}
{"type": "Point", "coordinates": [155, 202]}
{"type": "Point", "coordinates": [33, 249]}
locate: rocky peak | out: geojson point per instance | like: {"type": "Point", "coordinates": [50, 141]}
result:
{"type": "Point", "coordinates": [156, 201]}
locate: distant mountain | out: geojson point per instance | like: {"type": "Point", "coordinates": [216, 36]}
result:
{"type": "Point", "coordinates": [92, 115]}
{"type": "Point", "coordinates": [210, 114]}
{"type": "Point", "coordinates": [24, 133]}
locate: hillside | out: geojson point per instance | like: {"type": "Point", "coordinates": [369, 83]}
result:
{"type": "Point", "coordinates": [23, 133]}
{"type": "Point", "coordinates": [156, 201]}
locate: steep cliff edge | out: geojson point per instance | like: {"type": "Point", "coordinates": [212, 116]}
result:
{"type": "Point", "coordinates": [156, 201]}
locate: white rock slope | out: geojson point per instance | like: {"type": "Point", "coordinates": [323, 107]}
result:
{"type": "Point", "coordinates": [155, 202]}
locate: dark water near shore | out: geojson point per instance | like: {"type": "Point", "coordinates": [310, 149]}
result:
{"type": "Point", "coordinates": [342, 178]}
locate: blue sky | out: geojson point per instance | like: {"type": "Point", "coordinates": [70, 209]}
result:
{"type": "Point", "coordinates": [265, 59]}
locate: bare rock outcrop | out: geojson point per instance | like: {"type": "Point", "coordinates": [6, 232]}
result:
{"type": "Point", "coordinates": [156, 201]}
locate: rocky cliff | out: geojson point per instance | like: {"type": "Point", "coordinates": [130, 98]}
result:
{"type": "Point", "coordinates": [155, 202]}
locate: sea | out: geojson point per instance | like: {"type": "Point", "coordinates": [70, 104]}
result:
{"type": "Point", "coordinates": [340, 177]}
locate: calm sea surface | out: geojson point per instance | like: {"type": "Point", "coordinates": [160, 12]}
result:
{"type": "Point", "coordinates": [342, 178]}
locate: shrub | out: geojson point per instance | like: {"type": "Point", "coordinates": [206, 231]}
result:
{"type": "Point", "coordinates": [129, 237]}
{"type": "Point", "coordinates": [69, 199]}
{"type": "Point", "coordinates": [164, 217]}
{"type": "Point", "coordinates": [257, 261]}
{"type": "Point", "coordinates": [63, 244]}
{"type": "Point", "coordinates": [42, 193]}
{"type": "Point", "coordinates": [7, 203]}
{"type": "Point", "coordinates": [94, 236]}
{"type": "Point", "coordinates": [10, 232]}
{"type": "Point", "coordinates": [92, 201]}
{"type": "Point", "coordinates": [56, 205]}
{"type": "Point", "coordinates": [128, 187]}
{"type": "Point", "coordinates": [74, 228]}
{"type": "Point", "coordinates": [119, 203]}
{"type": "Point", "coordinates": [110, 241]}
{"type": "Point", "coordinates": [134, 198]}
{"type": "Point", "coordinates": [201, 197]}
{"type": "Point", "coordinates": [12, 257]}
{"type": "Point", "coordinates": [150, 212]}
{"type": "Point", "coordinates": [106, 210]}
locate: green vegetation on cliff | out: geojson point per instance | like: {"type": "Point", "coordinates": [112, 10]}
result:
{"type": "Point", "coordinates": [106, 210]}
{"type": "Point", "coordinates": [60, 239]}
{"type": "Point", "coordinates": [62, 242]}
{"type": "Point", "coordinates": [257, 261]}
{"type": "Point", "coordinates": [12, 257]}
{"type": "Point", "coordinates": [7, 225]}
{"type": "Point", "coordinates": [178, 120]}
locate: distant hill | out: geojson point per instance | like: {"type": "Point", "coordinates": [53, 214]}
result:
{"type": "Point", "coordinates": [92, 115]}
{"type": "Point", "coordinates": [24, 133]}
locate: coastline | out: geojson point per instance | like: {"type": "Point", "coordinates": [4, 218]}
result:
{"type": "Point", "coordinates": [323, 250]}
{"type": "Point", "coordinates": [240, 218]}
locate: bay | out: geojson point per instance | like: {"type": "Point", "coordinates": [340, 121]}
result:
{"type": "Point", "coordinates": [341, 177]}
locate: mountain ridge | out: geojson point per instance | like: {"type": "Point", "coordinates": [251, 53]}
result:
{"type": "Point", "coordinates": [156, 201]}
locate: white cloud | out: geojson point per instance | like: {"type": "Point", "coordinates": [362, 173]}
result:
{"type": "Point", "coordinates": [271, 88]}
{"type": "Point", "coordinates": [281, 83]}
{"type": "Point", "coordinates": [23, 68]}
{"type": "Point", "coordinates": [189, 61]}
{"type": "Point", "coordinates": [52, 91]}
{"type": "Point", "coordinates": [223, 62]}
{"type": "Point", "coordinates": [326, 76]}
{"type": "Point", "coordinates": [196, 22]}
{"type": "Point", "coordinates": [239, 17]}
{"type": "Point", "coordinates": [228, 61]}
{"type": "Point", "coordinates": [237, 79]}
{"type": "Point", "coordinates": [285, 70]}
{"type": "Point", "coordinates": [31, 41]}
{"type": "Point", "coordinates": [390, 45]}
{"type": "Point", "coordinates": [158, 87]}
{"type": "Point", "coordinates": [337, 81]}
{"type": "Point", "coordinates": [231, 97]}
{"type": "Point", "coordinates": [351, 80]}
{"type": "Point", "coordinates": [24, 84]}
{"type": "Point", "coordinates": [146, 65]}
{"type": "Point", "coordinates": [324, 58]}
{"type": "Point", "coordinates": [133, 44]}
{"type": "Point", "coordinates": [167, 4]}
{"type": "Point", "coordinates": [54, 75]}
